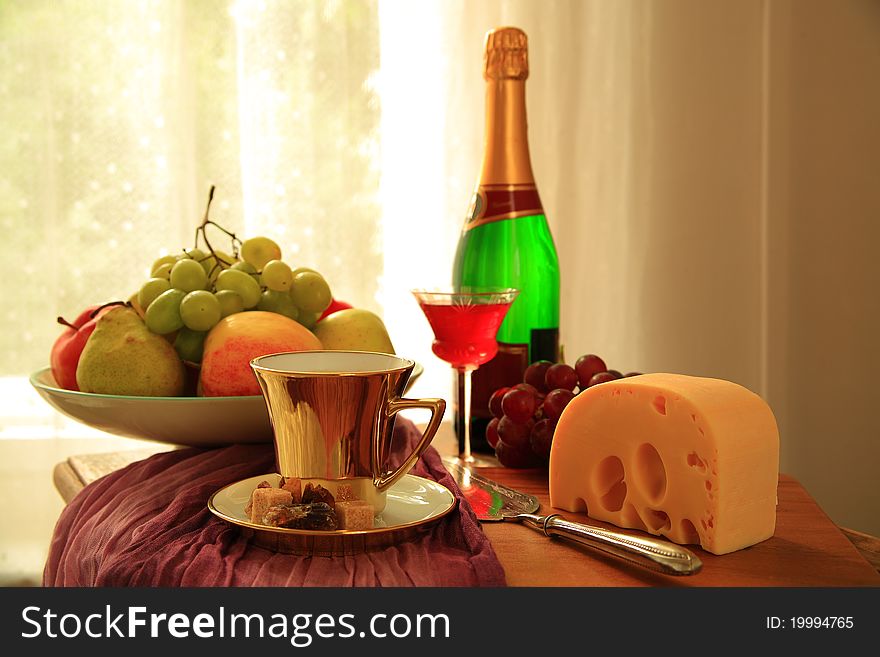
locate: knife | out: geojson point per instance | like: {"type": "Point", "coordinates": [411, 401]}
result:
{"type": "Point", "coordinates": [494, 502]}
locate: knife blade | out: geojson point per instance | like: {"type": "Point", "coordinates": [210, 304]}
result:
{"type": "Point", "coordinates": [490, 500]}
{"type": "Point", "coordinates": [493, 502]}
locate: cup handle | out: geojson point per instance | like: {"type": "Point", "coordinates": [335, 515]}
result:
{"type": "Point", "coordinates": [437, 408]}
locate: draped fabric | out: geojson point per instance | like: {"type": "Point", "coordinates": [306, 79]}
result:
{"type": "Point", "coordinates": [149, 525]}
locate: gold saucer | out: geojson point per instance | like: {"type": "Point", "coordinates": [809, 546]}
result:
{"type": "Point", "coordinates": [413, 504]}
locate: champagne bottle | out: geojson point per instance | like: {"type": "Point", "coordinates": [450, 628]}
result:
{"type": "Point", "coordinates": [506, 240]}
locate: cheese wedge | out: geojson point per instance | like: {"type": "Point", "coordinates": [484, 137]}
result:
{"type": "Point", "coordinates": [691, 458]}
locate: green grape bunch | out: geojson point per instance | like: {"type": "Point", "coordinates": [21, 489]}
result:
{"type": "Point", "coordinates": [188, 293]}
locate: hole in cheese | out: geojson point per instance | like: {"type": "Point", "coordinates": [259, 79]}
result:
{"type": "Point", "coordinates": [631, 518]}
{"type": "Point", "coordinates": [614, 498]}
{"type": "Point", "coordinates": [650, 473]}
{"type": "Point", "coordinates": [689, 533]}
{"type": "Point", "coordinates": [694, 460]}
{"type": "Point", "coordinates": [660, 404]}
{"type": "Point", "coordinates": [658, 521]}
{"type": "Point", "coordinates": [608, 483]}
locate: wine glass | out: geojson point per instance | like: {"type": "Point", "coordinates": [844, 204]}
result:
{"type": "Point", "coordinates": [465, 321]}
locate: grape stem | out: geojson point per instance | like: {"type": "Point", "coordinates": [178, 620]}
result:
{"type": "Point", "coordinates": [219, 261]}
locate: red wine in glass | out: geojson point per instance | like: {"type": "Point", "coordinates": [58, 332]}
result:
{"type": "Point", "coordinates": [465, 321]}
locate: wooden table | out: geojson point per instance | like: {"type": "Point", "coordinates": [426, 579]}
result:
{"type": "Point", "coordinates": [808, 549]}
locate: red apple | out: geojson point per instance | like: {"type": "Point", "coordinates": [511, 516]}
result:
{"type": "Point", "coordinates": [69, 345]}
{"type": "Point", "coordinates": [333, 307]}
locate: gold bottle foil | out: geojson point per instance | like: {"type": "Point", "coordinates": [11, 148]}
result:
{"type": "Point", "coordinates": [506, 177]}
{"type": "Point", "coordinates": [506, 54]}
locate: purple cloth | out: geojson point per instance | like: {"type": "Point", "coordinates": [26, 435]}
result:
{"type": "Point", "coordinates": [148, 525]}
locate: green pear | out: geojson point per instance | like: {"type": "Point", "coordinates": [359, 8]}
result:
{"type": "Point", "coordinates": [123, 357]}
{"type": "Point", "coordinates": [353, 329]}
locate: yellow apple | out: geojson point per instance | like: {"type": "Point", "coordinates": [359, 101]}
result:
{"type": "Point", "coordinates": [237, 339]}
{"type": "Point", "coordinates": [354, 329]}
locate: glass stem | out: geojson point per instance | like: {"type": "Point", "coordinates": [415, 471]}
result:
{"type": "Point", "coordinates": [465, 406]}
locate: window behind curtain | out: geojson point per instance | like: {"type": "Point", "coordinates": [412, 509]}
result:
{"type": "Point", "coordinates": [118, 116]}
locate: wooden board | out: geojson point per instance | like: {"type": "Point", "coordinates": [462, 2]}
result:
{"type": "Point", "coordinates": [808, 549]}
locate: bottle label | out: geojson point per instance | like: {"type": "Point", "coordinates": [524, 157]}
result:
{"type": "Point", "coordinates": [499, 202]}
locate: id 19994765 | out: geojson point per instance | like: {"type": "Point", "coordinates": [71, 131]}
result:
{"type": "Point", "coordinates": [810, 623]}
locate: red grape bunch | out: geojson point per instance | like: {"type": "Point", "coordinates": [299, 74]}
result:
{"type": "Point", "coordinates": [525, 415]}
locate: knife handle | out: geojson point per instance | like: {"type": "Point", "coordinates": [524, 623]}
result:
{"type": "Point", "coordinates": [661, 556]}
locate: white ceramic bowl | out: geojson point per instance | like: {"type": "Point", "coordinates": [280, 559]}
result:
{"type": "Point", "coordinates": [193, 421]}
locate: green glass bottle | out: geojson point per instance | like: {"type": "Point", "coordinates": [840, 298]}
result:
{"type": "Point", "coordinates": [506, 239]}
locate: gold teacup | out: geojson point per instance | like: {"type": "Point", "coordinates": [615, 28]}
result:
{"type": "Point", "coordinates": [332, 414]}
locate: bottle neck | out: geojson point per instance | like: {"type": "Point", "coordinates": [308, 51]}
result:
{"type": "Point", "coordinates": [506, 152]}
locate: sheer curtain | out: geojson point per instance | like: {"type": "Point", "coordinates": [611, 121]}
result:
{"type": "Point", "coordinates": [118, 116]}
{"type": "Point", "coordinates": [586, 68]}
{"type": "Point", "coordinates": [709, 174]}
{"type": "Point", "coordinates": [645, 127]}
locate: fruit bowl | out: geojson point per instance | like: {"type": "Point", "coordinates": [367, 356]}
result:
{"type": "Point", "coordinates": [192, 421]}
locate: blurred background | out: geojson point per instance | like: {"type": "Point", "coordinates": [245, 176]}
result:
{"type": "Point", "coordinates": [709, 170]}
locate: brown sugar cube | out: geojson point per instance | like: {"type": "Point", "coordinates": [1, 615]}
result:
{"type": "Point", "coordinates": [247, 509]}
{"type": "Point", "coordinates": [294, 485]}
{"type": "Point", "coordinates": [263, 498]}
{"type": "Point", "coordinates": [344, 493]}
{"type": "Point", "coordinates": [354, 514]}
